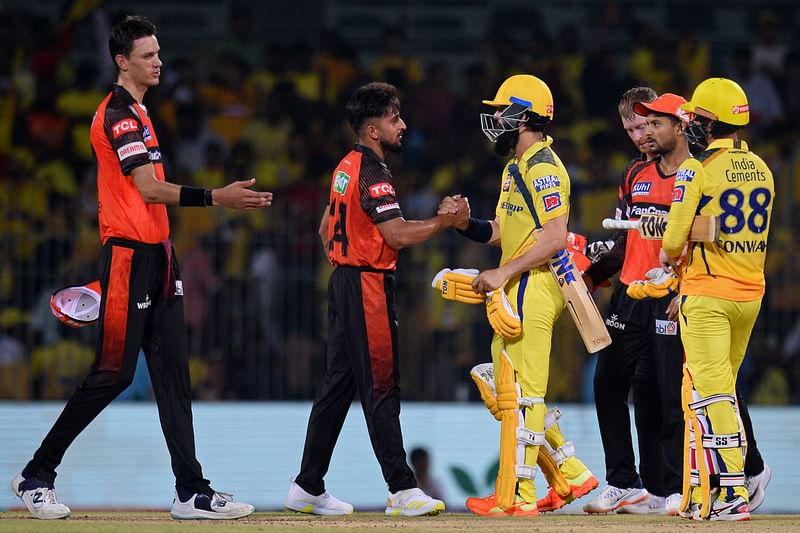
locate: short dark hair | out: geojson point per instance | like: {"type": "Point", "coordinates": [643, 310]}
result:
{"type": "Point", "coordinates": [371, 101]}
{"type": "Point", "coordinates": [124, 33]}
{"type": "Point", "coordinates": [632, 97]}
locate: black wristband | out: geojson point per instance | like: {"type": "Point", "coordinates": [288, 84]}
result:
{"type": "Point", "coordinates": [478, 230]}
{"type": "Point", "coordinates": [192, 196]}
{"type": "Point", "coordinates": [209, 198]}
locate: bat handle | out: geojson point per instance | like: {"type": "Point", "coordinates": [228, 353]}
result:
{"type": "Point", "coordinates": [612, 223]}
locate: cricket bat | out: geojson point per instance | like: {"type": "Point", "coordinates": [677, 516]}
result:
{"type": "Point", "coordinates": [652, 227]}
{"type": "Point", "coordinates": [579, 300]}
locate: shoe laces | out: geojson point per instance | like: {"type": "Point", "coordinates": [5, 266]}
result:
{"type": "Point", "coordinates": [410, 495]}
{"type": "Point", "coordinates": [49, 496]}
{"type": "Point", "coordinates": [227, 496]}
{"type": "Point", "coordinates": [612, 492]}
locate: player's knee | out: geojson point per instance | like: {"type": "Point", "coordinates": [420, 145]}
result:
{"type": "Point", "coordinates": [114, 382]}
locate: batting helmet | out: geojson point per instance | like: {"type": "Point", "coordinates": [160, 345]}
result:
{"type": "Point", "coordinates": [721, 98]}
{"type": "Point", "coordinates": [526, 99]}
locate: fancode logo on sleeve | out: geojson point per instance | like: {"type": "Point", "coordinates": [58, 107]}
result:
{"type": "Point", "coordinates": [381, 189]}
{"type": "Point", "coordinates": [677, 193]}
{"type": "Point", "coordinates": [124, 126]}
{"type": "Point", "coordinates": [546, 182]}
{"type": "Point", "coordinates": [131, 149]}
{"type": "Point", "coordinates": [551, 201]}
{"type": "Point", "coordinates": [340, 182]}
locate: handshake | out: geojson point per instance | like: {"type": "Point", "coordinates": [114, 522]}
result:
{"type": "Point", "coordinates": [457, 207]}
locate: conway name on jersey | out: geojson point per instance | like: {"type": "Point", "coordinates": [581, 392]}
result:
{"type": "Point", "coordinates": [729, 181]}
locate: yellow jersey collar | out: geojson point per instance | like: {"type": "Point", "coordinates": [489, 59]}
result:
{"type": "Point", "coordinates": [728, 143]}
{"type": "Point", "coordinates": [535, 147]}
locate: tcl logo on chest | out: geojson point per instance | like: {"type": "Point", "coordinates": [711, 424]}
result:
{"type": "Point", "coordinates": [124, 126]}
{"type": "Point", "coordinates": [381, 189]}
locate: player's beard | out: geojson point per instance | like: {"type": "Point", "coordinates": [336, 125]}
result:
{"type": "Point", "coordinates": [663, 148]}
{"type": "Point", "coordinates": [392, 147]}
{"type": "Point", "coordinates": [505, 143]}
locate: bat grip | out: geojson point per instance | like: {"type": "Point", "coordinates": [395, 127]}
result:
{"type": "Point", "coordinates": [612, 223]}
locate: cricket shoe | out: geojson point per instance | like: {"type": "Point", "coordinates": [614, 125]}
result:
{"type": "Point", "coordinates": [325, 504]}
{"type": "Point", "coordinates": [672, 505]}
{"type": "Point", "coordinates": [612, 498]}
{"type": "Point", "coordinates": [579, 486]}
{"type": "Point", "coordinates": [735, 510]}
{"type": "Point", "coordinates": [757, 486]}
{"type": "Point", "coordinates": [651, 505]}
{"type": "Point", "coordinates": [413, 502]}
{"type": "Point", "coordinates": [39, 497]}
{"type": "Point", "coordinates": [484, 506]}
{"type": "Point", "coordinates": [488, 507]}
{"type": "Point", "coordinates": [189, 505]}
{"type": "Point", "coordinates": [694, 508]}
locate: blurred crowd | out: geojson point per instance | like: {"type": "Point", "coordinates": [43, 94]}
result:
{"type": "Point", "coordinates": [248, 106]}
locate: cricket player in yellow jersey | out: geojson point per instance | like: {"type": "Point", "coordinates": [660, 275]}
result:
{"type": "Point", "coordinates": [534, 196]}
{"type": "Point", "coordinates": [722, 284]}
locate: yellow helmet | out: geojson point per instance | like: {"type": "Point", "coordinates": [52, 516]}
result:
{"type": "Point", "coordinates": [527, 90]}
{"type": "Point", "coordinates": [722, 98]}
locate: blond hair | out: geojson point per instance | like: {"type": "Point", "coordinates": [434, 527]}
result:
{"type": "Point", "coordinates": [632, 97]}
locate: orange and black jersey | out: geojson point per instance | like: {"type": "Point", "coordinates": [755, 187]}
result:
{"type": "Point", "coordinates": [362, 196]}
{"type": "Point", "coordinates": [647, 191]}
{"type": "Point", "coordinates": [611, 263]}
{"type": "Point", "coordinates": [123, 139]}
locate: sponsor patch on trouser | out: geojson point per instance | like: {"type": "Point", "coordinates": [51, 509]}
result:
{"type": "Point", "coordinates": [666, 327]}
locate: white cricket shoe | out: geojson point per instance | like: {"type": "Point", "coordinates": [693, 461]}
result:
{"type": "Point", "coordinates": [672, 506]}
{"type": "Point", "coordinates": [413, 502]}
{"type": "Point", "coordinates": [612, 498]}
{"type": "Point", "coordinates": [39, 498]}
{"type": "Point", "coordinates": [651, 505]}
{"type": "Point", "coordinates": [220, 506]}
{"type": "Point", "coordinates": [324, 504]}
{"type": "Point", "coordinates": [731, 511]}
{"type": "Point", "coordinates": [757, 486]}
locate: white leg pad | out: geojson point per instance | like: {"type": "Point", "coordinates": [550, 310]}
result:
{"type": "Point", "coordinates": [713, 441]}
{"type": "Point", "coordinates": [552, 417]}
{"type": "Point", "coordinates": [525, 471]}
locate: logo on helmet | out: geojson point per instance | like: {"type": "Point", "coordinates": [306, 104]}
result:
{"type": "Point", "coordinates": [738, 109]}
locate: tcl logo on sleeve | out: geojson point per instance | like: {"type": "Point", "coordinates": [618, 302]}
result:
{"type": "Point", "coordinates": [381, 189]}
{"type": "Point", "coordinates": [677, 193]}
{"type": "Point", "coordinates": [124, 126]}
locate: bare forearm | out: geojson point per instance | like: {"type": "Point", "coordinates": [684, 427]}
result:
{"type": "Point", "coordinates": [160, 192]}
{"type": "Point", "coordinates": [416, 231]}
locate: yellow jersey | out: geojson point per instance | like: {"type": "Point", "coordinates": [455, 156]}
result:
{"type": "Point", "coordinates": [729, 181]}
{"type": "Point", "coordinates": [549, 186]}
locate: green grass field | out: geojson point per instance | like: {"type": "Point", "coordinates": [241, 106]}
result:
{"type": "Point", "coordinates": [124, 522]}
